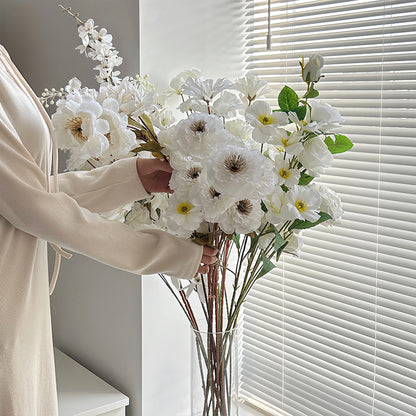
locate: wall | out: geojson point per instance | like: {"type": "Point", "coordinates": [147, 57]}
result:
{"type": "Point", "coordinates": [96, 310]}
{"type": "Point", "coordinates": [175, 36]}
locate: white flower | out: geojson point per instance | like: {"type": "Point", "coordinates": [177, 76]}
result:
{"type": "Point", "coordinates": [192, 135]}
{"type": "Point", "coordinates": [295, 245]}
{"type": "Point", "coordinates": [287, 142]}
{"type": "Point", "coordinates": [315, 156]}
{"type": "Point", "coordinates": [301, 202]}
{"type": "Point", "coordinates": [212, 202]}
{"type": "Point", "coordinates": [205, 90]}
{"type": "Point", "coordinates": [327, 117]}
{"type": "Point", "coordinates": [77, 126]}
{"type": "Point", "coordinates": [264, 121]}
{"type": "Point", "coordinates": [188, 177]}
{"type": "Point", "coordinates": [177, 82]}
{"type": "Point", "coordinates": [138, 217]}
{"type": "Point", "coordinates": [251, 87]}
{"type": "Point", "coordinates": [120, 137]}
{"type": "Point", "coordinates": [226, 105]}
{"type": "Point", "coordinates": [274, 203]}
{"type": "Point", "coordinates": [162, 118]}
{"type": "Point", "coordinates": [242, 217]}
{"type": "Point", "coordinates": [74, 84]}
{"type": "Point", "coordinates": [182, 216]}
{"type": "Point", "coordinates": [330, 203]}
{"type": "Point", "coordinates": [286, 175]}
{"type": "Point", "coordinates": [312, 70]}
{"type": "Point", "coordinates": [239, 128]}
{"type": "Point", "coordinates": [237, 171]}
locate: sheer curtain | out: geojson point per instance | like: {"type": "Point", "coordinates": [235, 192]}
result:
{"type": "Point", "coordinates": [333, 333]}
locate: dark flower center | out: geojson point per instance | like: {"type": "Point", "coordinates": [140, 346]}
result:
{"type": "Point", "coordinates": [198, 126]}
{"type": "Point", "coordinates": [194, 172]}
{"type": "Point", "coordinates": [244, 206]}
{"type": "Point", "coordinates": [235, 163]}
{"type": "Point", "coordinates": [213, 193]}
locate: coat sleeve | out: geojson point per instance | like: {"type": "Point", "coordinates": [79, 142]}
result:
{"type": "Point", "coordinates": [104, 188]}
{"type": "Point", "coordinates": [58, 218]}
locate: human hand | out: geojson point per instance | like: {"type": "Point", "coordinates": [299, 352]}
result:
{"type": "Point", "coordinates": [154, 174]}
{"type": "Point", "coordinates": [209, 256]}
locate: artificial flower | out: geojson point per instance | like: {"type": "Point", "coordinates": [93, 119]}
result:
{"type": "Point", "coordinates": [315, 156]}
{"type": "Point", "coordinates": [301, 202]}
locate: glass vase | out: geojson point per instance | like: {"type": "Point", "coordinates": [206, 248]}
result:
{"type": "Point", "coordinates": [214, 373]}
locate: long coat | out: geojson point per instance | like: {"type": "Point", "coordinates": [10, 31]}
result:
{"type": "Point", "coordinates": [32, 213]}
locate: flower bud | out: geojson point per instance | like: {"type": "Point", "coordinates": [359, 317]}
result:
{"type": "Point", "coordinates": [312, 70]}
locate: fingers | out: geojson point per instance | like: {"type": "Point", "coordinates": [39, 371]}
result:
{"type": "Point", "coordinates": [209, 256]}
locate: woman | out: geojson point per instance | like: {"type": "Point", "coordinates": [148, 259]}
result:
{"type": "Point", "coordinates": [32, 214]}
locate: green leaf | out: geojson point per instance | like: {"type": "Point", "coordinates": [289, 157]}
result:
{"type": "Point", "coordinates": [288, 99]}
{"type": "Point", "coordinates": [267, 266]}
{"type": "Point", "coordinates": [236, 239]}
{"type": "Point", "coordinates": [301, 112]}
{"type": "Point", "coordinates": [312, 93]}
{"type": "Point", "coordinates": [153, 147]}
{"type": "Point", "coordinates": [342, 143]}
{"type": "Point", "coordinates": [263, 207]}
{"type": "Point", "coordinates": [279, 241]}
{"type": "Point", "coordinates": [305, 179]}
{"type": "Point", "coordinates": [148, 123]}
{"type": "Point", "coordinates": [302, 225]}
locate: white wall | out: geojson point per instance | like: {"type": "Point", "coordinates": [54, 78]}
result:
{"type": "Point", "coordinates": [96, 310]}
{"type": "Point", "coordinates": [177, 35]}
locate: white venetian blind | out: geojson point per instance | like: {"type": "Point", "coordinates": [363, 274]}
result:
{"type": "Point", "coordinates": [334, 332]}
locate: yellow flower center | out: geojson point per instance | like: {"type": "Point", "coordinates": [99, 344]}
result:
{"type": "Point", "coordinates": [301, 205]}
{"type": "Point", "coordinates": [284, 173]}
{"type": "Point", "coordinates": [284, 142]}
{"type": "Point", "coordinates": [184, 208]}
{"type": "Point", "coordinates": [265, 119]}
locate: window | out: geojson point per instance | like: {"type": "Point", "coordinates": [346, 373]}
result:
{"type": "Point", "coordinates": [333, 333]}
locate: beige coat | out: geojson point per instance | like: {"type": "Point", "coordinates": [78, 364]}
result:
{"type": "Point", "coordinates": [31, 215]}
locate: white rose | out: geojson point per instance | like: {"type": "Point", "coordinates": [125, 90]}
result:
{"type": "Point", "coordinates": [294, 246]}
{"type": "Point", "coordinates": [315, 156]}
{"type": "Point", "coordinates": [330, 203]}
{"type": "Point", "coordinates": [312, 70]}
{"type": "Point", "coordinates": [326, 116]}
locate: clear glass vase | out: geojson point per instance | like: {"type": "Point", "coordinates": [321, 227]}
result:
{"type": "Point", "coordinates": [214, 373]}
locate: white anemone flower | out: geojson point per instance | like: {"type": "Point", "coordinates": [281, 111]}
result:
{"type": "Point", "coordinates": [242, 217]}
{"type": "Point", "coordinates": [301, 202]}
{"type": "Point", "coordinates": [236, 171]}
{"type": "Point", "coordinates": [212, 202]}
{"type": "Point", "coordinates": [315, 156]}
{"type": "Point", "coordinates": [327, 117]}
{"type": "Point", "coordinates": [264, 120]}
{"type": "Point", "coordinates": [182, 217]}
{"type": "Point", "coordinates": [251, 87]}
{"type": "Point", "coordinates": [285, 174]}
{"type": "Point", "coordinates": [205, 90]}
{"type": "Point", "coordinates": [138, 217]}
{"type": "Point", "coordinates": [192, 135]}
{"type": "Point", "coordinates": [78, 126]}
{"type": "Point", "coordinates": [188, 177]}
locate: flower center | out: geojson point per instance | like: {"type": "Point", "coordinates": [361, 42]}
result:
{"type": "Point", "coordinates": [213, 193]}
{"type": "Point", "coordinates": [194, 172]}
{"type": "Point", "coordinates": [244, 206]}
{"type": "Point", "coordinates": [284, 173]}
{"type": "Point", "coordinates": [284, 142]}
{"type": "Point", "coordinates": [198, 126]}
{"type": "Point", "coordinates": [75, 125]}
{"type": "Point", "coordinates": [265, 119]}
{"type": "Point", "coordinates": [184, 208]}
{"type": "Point", "coordinates": [301, 205]}
{"type": "Point", "coordinates": [235, 163]}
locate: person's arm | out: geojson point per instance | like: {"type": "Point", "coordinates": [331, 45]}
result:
{"type": "Point", "coordinates": [104, 188]}
{"type": "Point", "coordinates": [58, 218]}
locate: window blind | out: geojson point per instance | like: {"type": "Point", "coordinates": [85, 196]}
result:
{"type": "Point", "coordinates": [333, 333]}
